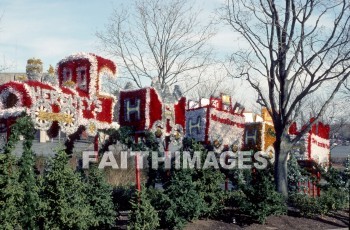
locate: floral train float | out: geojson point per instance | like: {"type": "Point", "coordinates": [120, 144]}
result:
{"type": "Point", "coordinates": [76, 100]}
{"type": "Point", "coordinates": [74, 97]}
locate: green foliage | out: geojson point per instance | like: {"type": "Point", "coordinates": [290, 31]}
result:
{"type": "Point", "coordinates": [42, 208]}
{"type": "Point", "coordinates": [335, 192]}
{"type": "Point", "coordinates": [260, 198]}
{"type": "Point", "coordinates": [100, 200]}
{"type": "Point", "coordinates": [147, 142]}
{"type": "Point", "coordinates": [234, 198]}
{"type": "Point", "coordinates": [186, 204]}
{"type": "Point", "coordinates": [31, 201]}
{"type": "Point", "coordinates": [188, 196]}
{"type": "Point", "coordinates": [122, 196]}
{"type": "Point", "coordinates": [19, 199]}
{"type": "Point", "coordinates": [208, 185]}
{"type": "Point", "coordinates": [143, 215]}
{"type": "Point", "coordinates": [72, 138]}
{"type": "Point", "coordinates": [330, 199]}
{"type": "Point", "coordinates": [66, 204]}
{"type": "Point", "coordinates": [11, 192]}
{"type": "Point", "coordinates": [161, 202]}
{"type": "Point", "coordinates": [334, 196]}
{"type": "Point", "coordinates": [125, 135]}
{"type": "Point", "coordinates": [334, 178]}
{"type": "Point", "coordinates": [296, 175]}
{"type": "Point", "coordinates": [62, 203]}
{"type": "Point", "coordinates": [190, 193]}
{"type": "Point", "coordinates": [192, 145]}
{"type": "Point", "coordinates": [12, 141]}
{"type": "Point", "coordinates": [347, 171]}
{"type": "Point", "coordinates": [255, 194]}
{"type": "Point", "coordinates": [308, 206]}
{"type": "Point", "coordinates": [239, 177]}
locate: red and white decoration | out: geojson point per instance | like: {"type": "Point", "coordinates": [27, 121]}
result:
{"type": "Point", "coordinates": [229, 126]}
{"type": "Point", "coordinates": [317, 143]}
{"type": "Point", "coordinates": [139, 108]}
{"type": "Point", "coordinates": [216, 123]}
{"type": "Point", "coordinates": [144, 109]}
{"type": "Point", "coordinates": [77, 100]}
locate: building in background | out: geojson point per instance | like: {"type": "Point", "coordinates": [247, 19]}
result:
{"type": "Point", "coordinates": [6, 77]}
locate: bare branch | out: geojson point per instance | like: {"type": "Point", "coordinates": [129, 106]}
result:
{"type": "Point", "coordinates": [295, 49]}
{"type": "Point", "coordinates": [159, 39]}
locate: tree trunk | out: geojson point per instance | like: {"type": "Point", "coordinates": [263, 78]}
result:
{"type": "Point", "coordinates": [281, 172]}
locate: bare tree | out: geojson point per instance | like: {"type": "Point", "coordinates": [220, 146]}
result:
{"type": "Point", "coordinates": [336, 115]}
{"type": "Point", "coordinates": [346, 90]}
{"type": "Point", "coordinates": [215, 82]}
{"type": "Point", "coordinates": [158, 39]}
{"type": "Point", "coordinates": [335, 110]}
{"type": "Point", "coordinates": [295, 47]}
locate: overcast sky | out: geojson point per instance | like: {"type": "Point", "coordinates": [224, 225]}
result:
{"type": "Point", "coordinates": [49, 30]}
{"type": "Point", "coordinates": [52, 30]}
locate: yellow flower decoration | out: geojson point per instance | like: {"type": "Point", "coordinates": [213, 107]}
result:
{"type": "Point", "coordinates": [21, 78]}
{"type": "Point", "coordinates": [51, 70]}
{"type": "Point", "coordinates": [69, 83]}
{"type": "Point", "coordinates": [92, 128]}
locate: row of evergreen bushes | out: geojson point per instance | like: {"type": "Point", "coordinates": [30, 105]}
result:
{"type": "Point", "coordinates": [190, 195]}
{"type": "Point", "coordinates": [193, 194]}
{"type": "Point", "coordinates": [187, 194]}
{"type": "Point", "coordinates": [334, 194]}
{"type": "Point", "coordinates": [61, 198]}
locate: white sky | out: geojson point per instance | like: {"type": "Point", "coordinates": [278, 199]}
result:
{"type": "Point", "coordinates": [49, 30]}
{"type": "Point", "coordinates": [52, 30]}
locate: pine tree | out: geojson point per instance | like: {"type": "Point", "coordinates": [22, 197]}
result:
{"type": "Point", "coordinates": [11, 192]}
{"type": "Point", "coordinates": [208, 182]}
{"type": "Point", "coordinates": [66, 204]}
{"type": "Point", "coordinates": [191, 193]}
{"type": "Point", "coordinates": [143, 215]}
{"type": "Point", "coordinates": [100, 199]}
{"type": "Point", "coordinates": [31, 201]}
{"type": "Point", "coordinates": [186, 204]}
{"type": "Point", "coordinates": [334, 177]}
{"type": "Point", "coordinates": [261, 198]}
{"type": "Point", "coordinates": [208, 187]}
